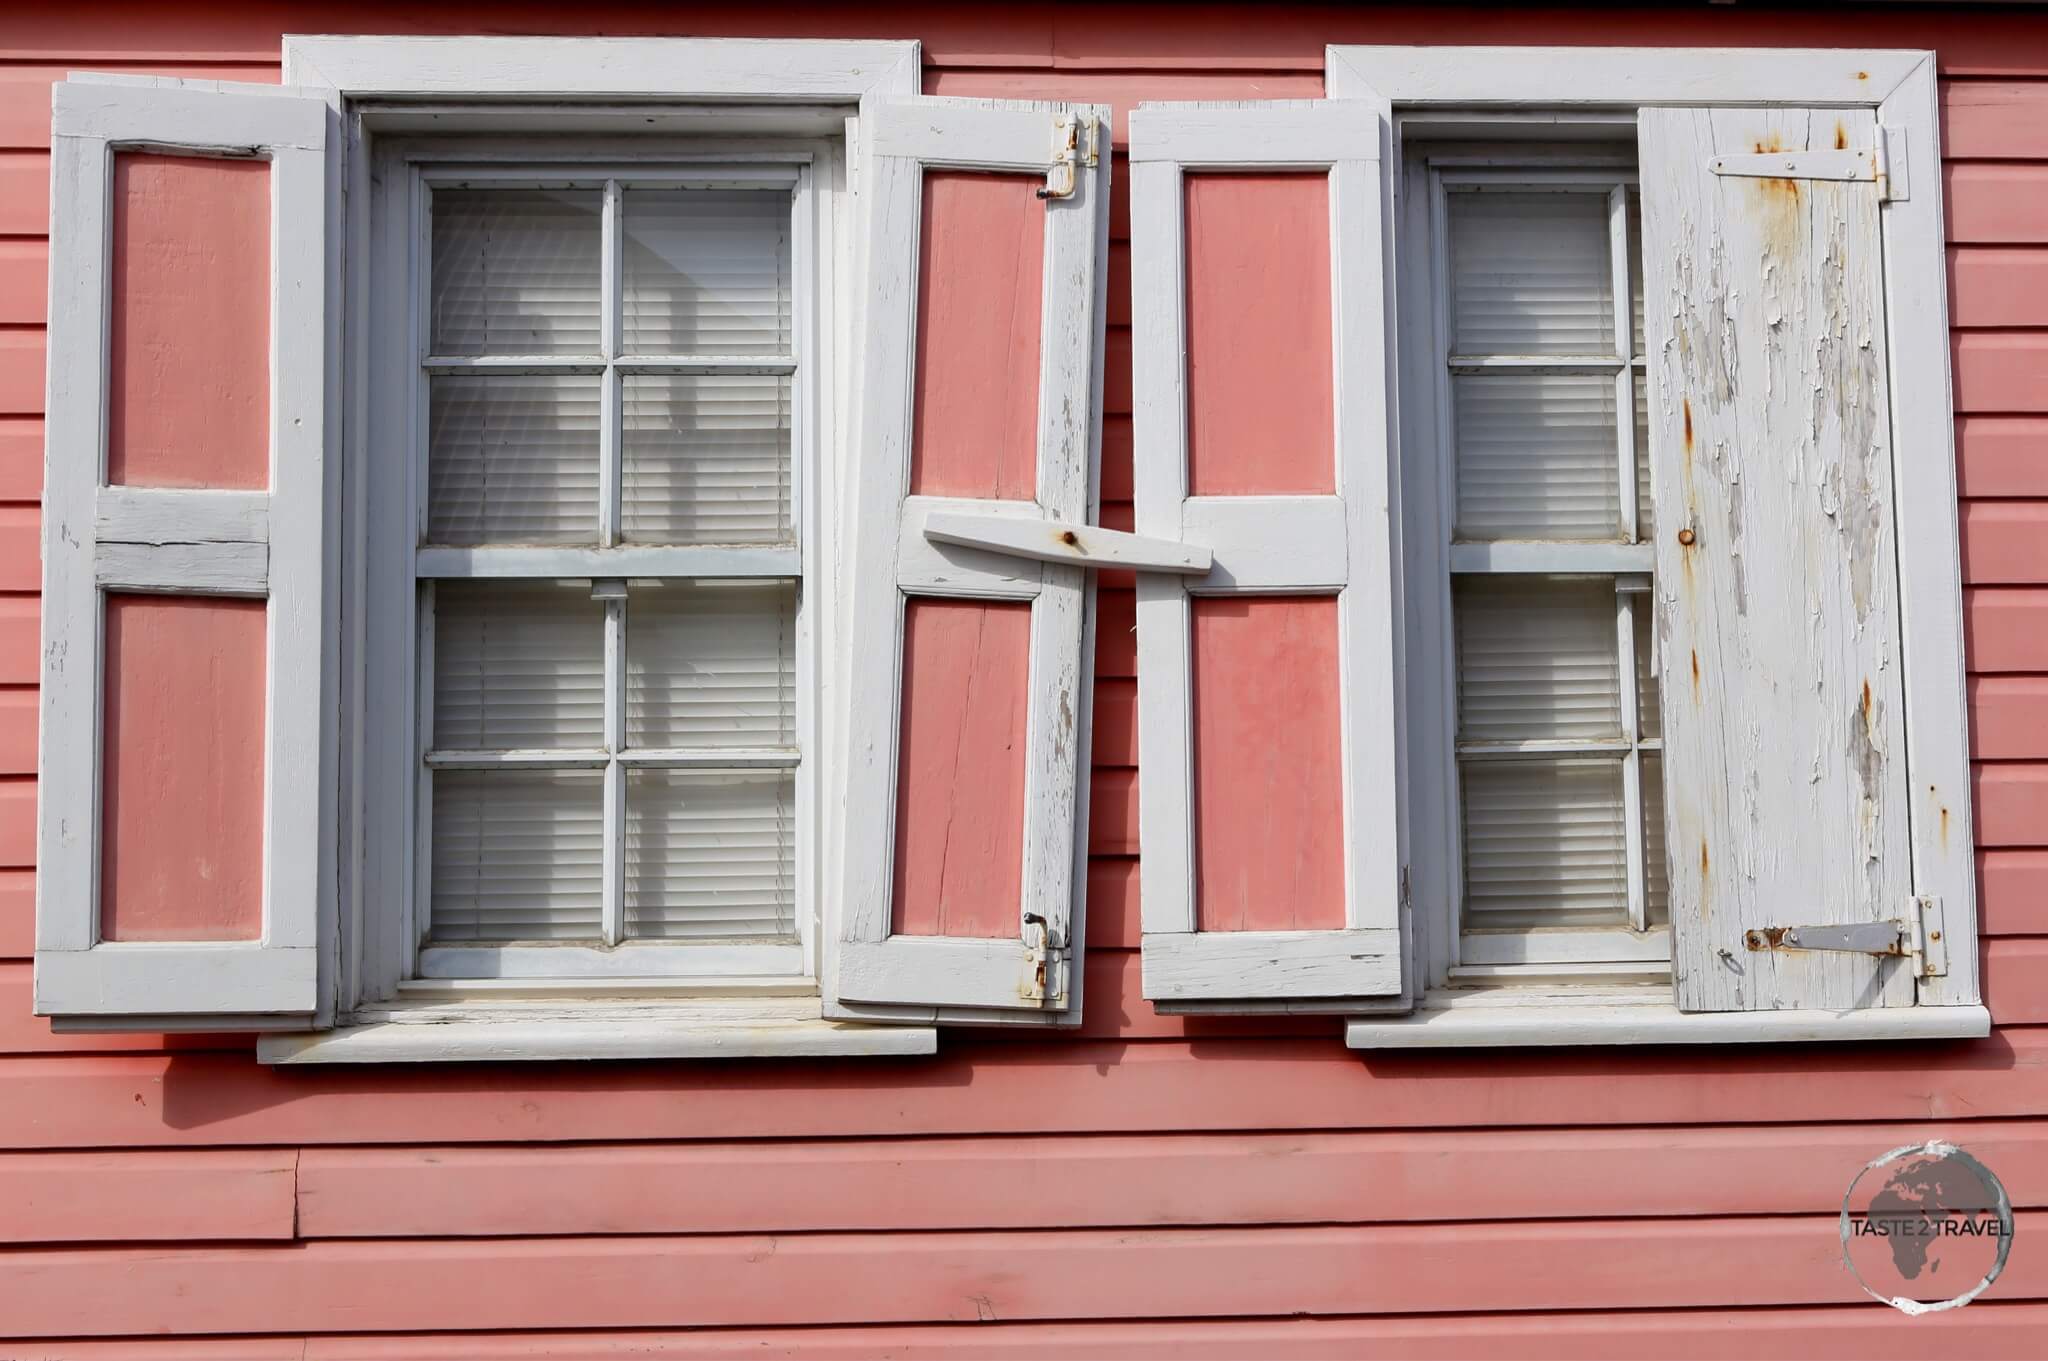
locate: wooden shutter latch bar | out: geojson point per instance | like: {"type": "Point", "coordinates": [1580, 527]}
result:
{"type": "Point", "coordinates": [1883, 164]}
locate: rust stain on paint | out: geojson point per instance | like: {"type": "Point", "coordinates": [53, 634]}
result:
{"type": "Point", "coordinates": [1944, 830]}
{"type": "Point", "coordinates": [1703, 859]}
{"type": "Point", "coordinates": [1866, 702]}
{"type": "Point", "coordinates": [1695, 673]}
{"type": "Point", "coordinates": [1686, 404]}
{"type": "Point", "coordinates": [1841, 137]}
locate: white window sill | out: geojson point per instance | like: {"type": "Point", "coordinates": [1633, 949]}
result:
{"type": "Point", "coordinates": [513, 1031]}
{"type": "Point", "coordinates": [1499, 1019]}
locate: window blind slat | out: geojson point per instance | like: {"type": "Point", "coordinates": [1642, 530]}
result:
{"type": "Point", "coordinates": [1536, 457]}
{"type": "Point", "coordinates": [513, 459]}
{"type": "Point", "coordinates": [706, 459]}
{"type": "Point", "coordinates": [516, 271]}
{"type": "Point", "coordinates": [517, 666]}
{"type": "Point", "coordinates": [710, 855]}
{"type": "Point", "coordinates": [711, 664]}
{"type": "Point", "coordinates": [706, 271]}
{"type": "Point", "coordinates": [517, 855]}
{"type": "Point", "coordinates": [1530, 274]}
{"type": "Point", "coordinates": [1536, 660]}
{"type": "Point", "coordinates": [1544, 843]}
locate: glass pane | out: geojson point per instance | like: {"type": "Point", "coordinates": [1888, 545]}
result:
{"type": "Point", "coordinates": [1544, 843]}
{"type": "Point", "coordinates": [1537, 659]}
{"type": "Point", "coordinates": [1537, 457]}
{"type": "Point", "coordinates": [710, 856]}
{"type": "Point", "coordinates": [706, 460]}
{"type": "Point", "coordinates": [516, 271]}
{"type": "Point", "coordinates": [517, 666]}
{"type": "Point", "coordinates": [517, 855]}
{"type": "Point", "coordinates": [711, 664]}
{"type": "Point", "coordinates": [1649, 716]}
{"type": "Point", "coordinates": [1530, 274]}
{"type": "Point", "coordinates": [513, 460]}
{"type": "Point", "coordinates": [707, 271]}
{"type": "Point", "coordinates": [1656, 884]}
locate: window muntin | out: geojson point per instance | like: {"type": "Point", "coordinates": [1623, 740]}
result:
{"type": "Point", "coordinates": [611, 669]}
{"type": "Point", "coordinates": [1554, 715]}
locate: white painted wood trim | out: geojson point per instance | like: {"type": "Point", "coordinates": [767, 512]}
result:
{"type": "Point", "coordinates": [1655, 1022]}
{"type": "Point", "coordinates": [571, 1029]}
{"type": "Point", "coordinates": [649, 68]}
{"type": "Point", "coordinates": [1080, 545]}
{"type": "Point", "coordinates": [1343, 544]}
{"type": "Point", "coordinates": [871, 973]}
{"type": "Point", "coordinates": [1509, 555]}
{"type": "Point", "coordinates": [185, 543]}
{"type": "Point", "coordinates": [622, 561]}
{"type": "Point", "coordinates": [1224, 965]}
{"type": "Point", "coordinates": [1930, 564]}
{"type": "Point", "coordinates": [1571, 77]}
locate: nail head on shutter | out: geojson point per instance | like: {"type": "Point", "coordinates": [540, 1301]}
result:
{"type": "Point", "coordinates": [1687, 537]}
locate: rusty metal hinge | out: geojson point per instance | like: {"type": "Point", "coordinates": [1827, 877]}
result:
{"type": "Point", "coordinates": [1882, 164]}
{"type": "Point", "coordinates": [1919, 937]}
{"type": "Point", "coordinates": [1075, 144]}
{"type": "Point", "coordinates": [1045, 954]}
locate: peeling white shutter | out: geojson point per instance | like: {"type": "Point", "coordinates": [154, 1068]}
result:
{"type": "Point", "coordinates": [1025, 968]}
{"type": "Point", "coordinates": [1786, 790]}
{"type": "Point", "coordinates": [1338, 546]}
{"type": "Point", "coordinates": [150, 541]}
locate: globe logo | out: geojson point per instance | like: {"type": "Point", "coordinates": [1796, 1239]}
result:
{"type": "Point", "coordinates": [1926, 1227]}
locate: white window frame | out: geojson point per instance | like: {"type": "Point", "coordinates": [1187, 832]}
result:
{"type": "Point", "coordinates": [393, 86]}
{"type": "Point", "coordinates": [1457, 952]}
{"type": "Point", "coordinates": [413, 173]}
{"type": "Point", "coordinates": [1488, 92]}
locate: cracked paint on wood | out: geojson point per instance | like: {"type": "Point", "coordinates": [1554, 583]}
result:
{"type": "Point", "coordinates": [960, 771]}
{"type": "Point", "coordinates": [1776, 572]}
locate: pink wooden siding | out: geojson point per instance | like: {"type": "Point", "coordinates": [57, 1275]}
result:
{"type": "Point", "coordinates": [1154, 1187]}
{"type": "Point", "coordinates": [1269, 792]}
{"type": "Point", "coordinates": [1260, 409]}
{"type": "Point", "coordinates": [181, 823]}
{"type": "Point", "coordinates": [188, 388]}
{"type": "Point", "coordinates": [959, 867]}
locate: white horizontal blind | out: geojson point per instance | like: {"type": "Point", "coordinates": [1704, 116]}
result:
{"type": "Point", "coordinates": [706, 459]}
{"type": "Point", "coordinates": [517, 665]}
{"type": "Point", "coordinates": [1560, 801]}
{"type": "Point", "coordinates": [1530, 274]}
{"type": "Point", "coordinates": [1536, 456]}
{"type": "Point", "coordinates": [1536, 660]}
{"type": "Point", "coordinates": [711, 664]}
{"type": "Point", "coordinates": [518, 855]}
{"type": "Point", "coordinates": [615, 758]}
{"type": "Point", "coordinates": [516, 271]}
{"type": "Point", "coordinates": [710, 856]}
{"type": "Point", "coordinates": [513, 459]}
{"type": "Point", "coordinates": [707, 272]}
{"type": "Point", "coordinates": [1544, 844]}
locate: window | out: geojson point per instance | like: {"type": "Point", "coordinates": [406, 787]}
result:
{"type": "Point", "coordinates": [1667, 521]}
{"type": "Point", "coordinates": [1541, 425]}
{"type": "Point", "coordinates": [614, 377]}
{"type": "Point", "coordinates": [622, 537]}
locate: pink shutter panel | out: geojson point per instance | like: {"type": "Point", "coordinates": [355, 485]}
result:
{"type": "Point", "coordinates": [1269, 694]}
{"type": "Point", "coordinates": [179, 857]}
{"type": "Point", "coordinates": [961, 855]}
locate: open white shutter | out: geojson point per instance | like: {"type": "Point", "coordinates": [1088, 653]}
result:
{"type": "Point", "coordinates": [1786, 787]}
{"type": "Point", "coordinates": [1332, 549]}
{"type": "Point", "coordinates": [148, 545]}
{"type": "Point", "coordinates": [999, 576]}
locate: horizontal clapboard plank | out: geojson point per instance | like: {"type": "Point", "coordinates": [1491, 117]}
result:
{"type": "Point", "coordinates": [1118, 1181]}
{"type": "Point", "coordinates": [2002, 540]}
{"type": "Point", "coordinates": [983, 1084]}
{"type": "Point", "coordinates": [940, 1277]}
{"type": "Point", "coordinates": [221, 1194]}
{"type": "Point", "coordinates": [2012, 805]}
{"type": "Point", "coordinates": [1994, 119]}
{"type": "Point", "coordinates": [1988, 1328]}
{"type": "Point", "coordinates": [2005, 456]}
{"type": "Point", "coordinates": [2006, 629]}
